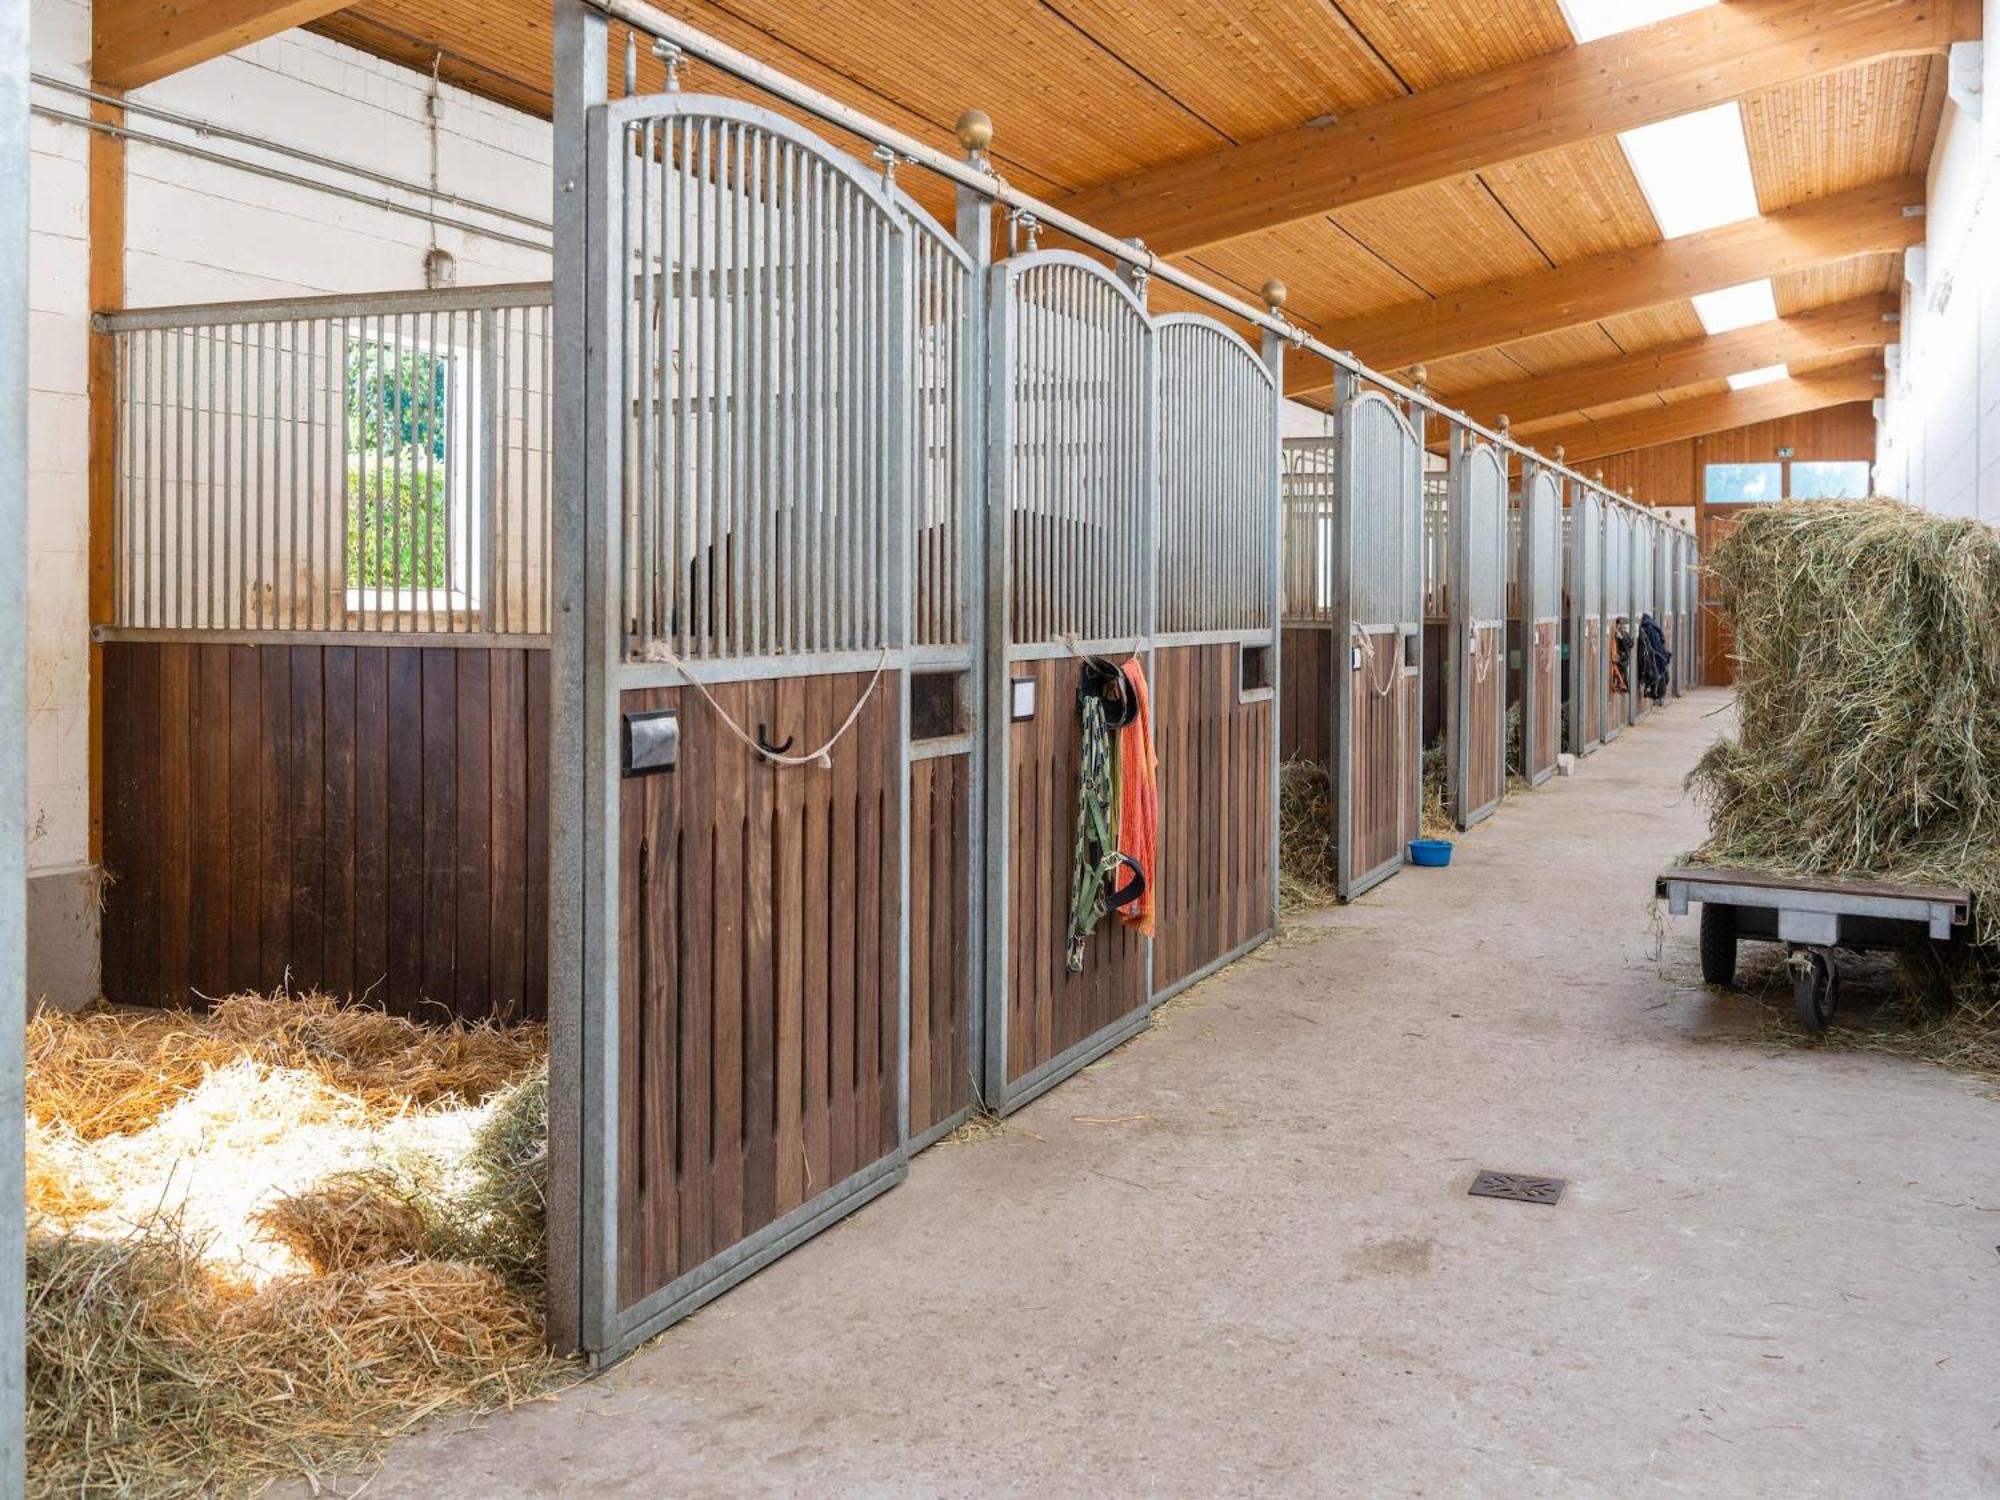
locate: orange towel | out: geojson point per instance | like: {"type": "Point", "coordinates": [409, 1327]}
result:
{"type": "Point", "coordinates": [1139, 799]}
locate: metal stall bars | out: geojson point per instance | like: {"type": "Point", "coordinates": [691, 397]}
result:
{"type": "Point", "coordinates": [1691, 662]}
{"type": "Point", "coordinates": [1306, 643]}
{"type": "Point", "coordinates": [1072, 513]}
{"type": "Point", "coordinates": [1587, 665]}
{"type": "Point", "coordinates": [1378, 645]}
{"type": "Point", "coordinates": [325, 682]}
{"type": "Point", "coordinates": [748, 612]}
{"type": "Point", "coordinates": [1541, 620]}
{"type": "Point", "coordinates": [1215, 649]}
{"type": "Point", "coordinates": [948, 559]}
{"type": "Point", "coordinates": [1618, 618]}
{"type": "Point", "coordinates": [1476, 649]}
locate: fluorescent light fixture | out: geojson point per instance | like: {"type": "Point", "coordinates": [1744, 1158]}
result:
{"type": "Point", "coordinates": [1695, 170]}
{"type": "Point", "coordinates": [1591, 19]}
{"type": "Point", "coordinates": [1751, 379]}
{"type": "Point", "coordinates": [1736, 307]}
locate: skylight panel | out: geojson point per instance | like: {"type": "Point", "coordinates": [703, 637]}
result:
{"type": "Point", "coordinates": [1591, 19]}
{"type": "Point", "coordinates": [1737, 307]}
{"type": "Point", "coordinates": [1751, 379]}
{"type": "Point", "coordinates": [1694, 170]}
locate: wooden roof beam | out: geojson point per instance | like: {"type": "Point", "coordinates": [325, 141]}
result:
{"type": "Point", "coordinates": [136, 42]}
{"type": "Point", "coordinates": [1638, 77]}
{"type": "Point", "coordinates": [1877, 217]}
{"type": "Point", "coordinates": [1702, 415]}
{"type": "Point", "coordinates": [1863, 323]}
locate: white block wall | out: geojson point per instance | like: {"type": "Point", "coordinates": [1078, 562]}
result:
{"type": "Point", "coordinates": [198, 232]}
{"type": "Point", "coordinates": [1940, 434]}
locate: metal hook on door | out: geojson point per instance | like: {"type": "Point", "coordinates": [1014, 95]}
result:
{"type": "Point", "coordinates": [764, 744]}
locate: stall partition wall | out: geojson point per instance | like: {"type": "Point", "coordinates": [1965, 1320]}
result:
{"type": "Point", "coordinates": [1588, 668]}
{"type": "Point", "coordinates": [1541, 609]}
{"type": "Point", "coordinates": [1073, 524]}
{"type": "Point", "coordinates": [1476, 664]}
{"type": "Point", "coordinates": [326, 688]}
{"type": "Point", "coordinates": [750, 501]}
{"type": "Point", "coordinates": [1215, 659]}
{"type": "Point", "coordinates": [1378, 618]}
{"type": "Point", "coordinates": [1617, 614]}
{"type": "Point", "coordinates": [1308, 642]}
{"type": "Point", "coordinates": [1644, 535]}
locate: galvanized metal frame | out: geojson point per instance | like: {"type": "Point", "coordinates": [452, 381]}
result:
{"type": "Point", "coordinates": [1540, 599]}
{"type": "Point", "coordinates": [595, 259]}
{"type": "Point", "coordinates": [1476, 600]}
{"type": "Point", "coordinates": [1011, 641]}
{"type": "Point", "coordinates": [1350, 881]}
{"type": "Point", "coordinates": [1617, 607]}
{"type": "Point", "coordinates": [1645, 534]}
{"type": "Point", "coordinates": [1587, 681]}
{"type": "Point", "coordinates": [1251, 598]}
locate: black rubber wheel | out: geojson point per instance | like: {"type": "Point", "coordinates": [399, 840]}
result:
{"type": "Point", "coordinates": [1815, 987]}
{"type": "Point", "coordinates": [1718, 944]}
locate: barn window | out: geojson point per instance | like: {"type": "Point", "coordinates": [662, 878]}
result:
{"type": "Point", "coordinates": [1830, 480]}
{"type": "Point", "coordinates": [409, 481]}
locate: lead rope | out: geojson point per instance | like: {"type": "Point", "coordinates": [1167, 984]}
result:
{"type": "Point", "coordinates": [822, 757]}
{"type": "Point", "coordinates": [1368, 659]}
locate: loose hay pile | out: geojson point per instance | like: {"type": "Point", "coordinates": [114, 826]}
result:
{"type": "Point", "coordinates": [1308, 868]}
{"type": "Point", "coordinates": [263, 1241]}
{"type": "Point", "coordinates": [1868, 690]}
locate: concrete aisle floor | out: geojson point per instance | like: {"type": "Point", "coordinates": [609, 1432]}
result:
{"type": "Point", "coordinates": [1237, 1257]}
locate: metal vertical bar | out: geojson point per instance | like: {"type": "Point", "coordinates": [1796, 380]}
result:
{"type": "Point", "coordinates": [740, 532]}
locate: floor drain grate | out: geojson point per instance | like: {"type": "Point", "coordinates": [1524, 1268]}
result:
{"type": "Point", "coordinates": [1516, 1188]}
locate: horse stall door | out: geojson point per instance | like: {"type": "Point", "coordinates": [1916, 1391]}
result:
{"type": "Point", "coordinates": [1477, 754]}
{"type": "Point", "coordinates": [1586, 593]}
{"type": "Point", "coordinates": [1541, 624]}
{"type": "Point", "coordinates": [752, 398]}
{"type": "Point", "coordinates": [1213, 699]}
{"type": "Point", "coordinates": [948, 564]}
{"type": "Point", "coordinates": [1379, 586]}
{"type": "Point", "coordinates": [1073, 440]}
{"type": "Point", "coordinates": [1307, 644]}
{"type": "Point", "coordinates": [1617, 616]}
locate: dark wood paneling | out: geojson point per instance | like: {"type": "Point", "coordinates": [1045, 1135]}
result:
{"type": "Point", "coordinates": [1385, 794]}
{"type": "Point", "coordinates": [272, 818]}
{"type": "Point", "coordinates": [758, 1003]}
{"type": "Point", "coordinates": [1049, 1009]}
{"type": "Point", "coordinates": [1544, 700]}
{"type": "Point", "coordinates": [1486, 756]}
{"type": "Point", "coordinates": [940, 928]}
{"type": "Point", "coordinates": [1594, 674]}
{"type": "Point", "coordinates": [1305, 694]}
{"type": "Point", "coordinates": [1213, 884]}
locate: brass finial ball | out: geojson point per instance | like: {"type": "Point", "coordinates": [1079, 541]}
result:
{"type": "Point", "coordinates": [1561, 452]}
{"type": "Point", "coordinates": [975, 130]}
{"type": "Point", "coordinates": [1275, 293]}
{"type": "Point", "coordinates": [1506, 424]}
{"type": "Point", "coordinates": [1420, 375]}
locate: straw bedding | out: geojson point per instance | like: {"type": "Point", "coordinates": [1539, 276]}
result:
{"type": "Point", "coordinates": [263, 1241]}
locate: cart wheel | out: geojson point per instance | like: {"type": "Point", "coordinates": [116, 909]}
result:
{"type": "Point", "coordinates": [1718, 944]}
{"type": "Point", "coordinates": [1815, 986]}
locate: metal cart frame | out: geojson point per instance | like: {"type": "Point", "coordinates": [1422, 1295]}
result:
{"type": "Point", "coordinates": [1814, 918]}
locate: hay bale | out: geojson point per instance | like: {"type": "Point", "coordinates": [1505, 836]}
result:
{"type": "Point", "coordinates": [1308, 867]}
{"type": "Point", "coordinates": [1868, 690]}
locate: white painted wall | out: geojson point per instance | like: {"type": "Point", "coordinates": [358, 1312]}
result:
{"type": "Point", "coordinates": [197, 231]}
{"type": "Point", "coordinates": [1939, 440]}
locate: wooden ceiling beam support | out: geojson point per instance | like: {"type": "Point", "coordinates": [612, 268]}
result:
{"type": "Point", "coordinates": [136, 42]}
{"type": "Point", "coordinates": [1863, 323]}
{"type": "Point", "coordinates": [1879, 216]}
{"type": "Point", "coordinates": [1707, 57]}
{"type": "Point", "coordinates": [1702, 415]}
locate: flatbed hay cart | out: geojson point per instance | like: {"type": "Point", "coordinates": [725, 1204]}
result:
{"type": "Point", "coordinates": [1814, 918]}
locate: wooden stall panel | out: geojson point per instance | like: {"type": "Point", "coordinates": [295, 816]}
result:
{"type": "Point", "coordinates": [1385, 796]}
{"type": "Point", "coordinates": [1594, 671]}
{"type": "Point", "coordinates": [759, 1016]}
{"type": "Point", "coordinates": [1049, 1009]}
{"type": "Point", "coordinates": [1305, 689]}
{"type": "Point", "coordinates": [1213, 884]}
{"type": "Point", "coordinates": [1545, 695]}
{"type": "Point", "coordinates": [369, 821]}
{"type": "Point", "coordinates": [1486, 743]}
{"type": "Point", "coordinates": [940, 932]}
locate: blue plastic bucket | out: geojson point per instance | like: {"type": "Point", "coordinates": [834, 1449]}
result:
{"type": "Point", "coordinates": [1430, 852]}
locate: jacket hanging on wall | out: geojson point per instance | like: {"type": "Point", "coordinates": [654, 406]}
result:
{"type": "Point", "coordinates": [1105, 703]}
{"type": "Point", "coordinates": [1654, 659]}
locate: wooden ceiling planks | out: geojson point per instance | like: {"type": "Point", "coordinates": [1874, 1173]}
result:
{"type": "Point", "coordinates": [1485, 244]}
{"type": "Point", "coordinates": [1429, 42]}
{"type": "Point", "coordinates": [1841, 130]}
{"type": "Point", "coordinates": [1576, 202]}
{"type": "Point", "coordinates": [1821, 286]}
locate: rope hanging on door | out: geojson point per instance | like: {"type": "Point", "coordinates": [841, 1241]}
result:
{"type": "Point", "coordinates": [1097, 861]}
{"type": "Point", "coordinates": [1368, 660]}
{"type": "Point", "coordinates": [822, 757]}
